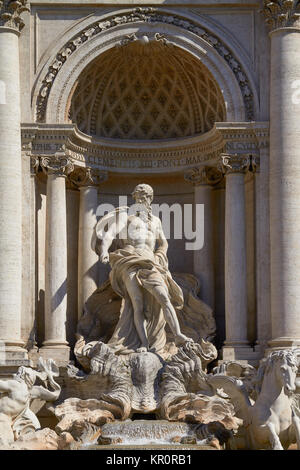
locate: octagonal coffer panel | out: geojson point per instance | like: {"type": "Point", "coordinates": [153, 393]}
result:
{"type": "Point", "coordinates": [144, 94]}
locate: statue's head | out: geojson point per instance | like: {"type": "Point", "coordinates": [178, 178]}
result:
{"type": "Point", "coordinates": [143, 194]}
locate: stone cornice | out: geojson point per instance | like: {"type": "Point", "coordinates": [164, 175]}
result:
{"type": "Point", "coordinates": [282, 13]}
{"type": "Point", "coordinates": [10, 13]}
{"type": "Point", "coordinates": [242, 138]}
{"type": "Point", "coordinates": [165, 156]}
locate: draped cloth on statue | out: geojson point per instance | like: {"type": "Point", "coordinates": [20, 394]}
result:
{"type": "Point", "coordinates": [149, 273]}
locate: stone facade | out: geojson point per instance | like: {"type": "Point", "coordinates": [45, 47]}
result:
{"type": "Point", "coordinates": [195, 98]}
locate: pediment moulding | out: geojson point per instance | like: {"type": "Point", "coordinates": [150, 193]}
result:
{"type": "Point", "coordinates": [10, 13]}
{"type": "Point", "coordinates": [152, 157]}
{"type": "Point", "coordinates": [147, 16]}
{"type": "Point", "coordinates": [282, 13]}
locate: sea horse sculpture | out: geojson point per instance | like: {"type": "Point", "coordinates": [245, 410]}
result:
{"type": "Point", "coordinates": [273, 420]}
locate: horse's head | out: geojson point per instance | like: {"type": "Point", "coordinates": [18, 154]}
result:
{"type": "Point", "coordinates": [286, 367]}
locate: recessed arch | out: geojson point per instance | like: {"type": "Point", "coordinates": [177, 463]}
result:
{"type": "Point", "coordinates": [52, 91]}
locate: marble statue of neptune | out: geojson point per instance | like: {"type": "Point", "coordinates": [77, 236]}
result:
{"type": "Point", "coordinates": [136, 248]}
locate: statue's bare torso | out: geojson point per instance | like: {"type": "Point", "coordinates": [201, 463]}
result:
{"type": "Point", "coordinates": [142, 236]}
{"type": "Point", "coordinates": [13, 398]}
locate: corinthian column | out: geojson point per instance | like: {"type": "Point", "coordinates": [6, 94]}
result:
{"type": "Point", "coordinates": [283, 19]}
{"type": "Point", "coordinates": [88, 181]}
{"type": "Point", "coordinates": [55, 344]}
{"type": "Point", "coordinates": [203, 179]}
{"type": "Point", "coordinates": [236, 344]}
{"type": "Point", "coordinates": [11, 346]}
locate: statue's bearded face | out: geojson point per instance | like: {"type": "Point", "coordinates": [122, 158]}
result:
{"type": "Point", "coordinates": [143, 194]}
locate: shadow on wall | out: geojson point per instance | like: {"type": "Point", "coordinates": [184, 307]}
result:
{"type": "Point", "coordinates": [40, 324]}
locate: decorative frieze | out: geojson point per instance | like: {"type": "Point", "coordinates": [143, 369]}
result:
{"type": "Point", "coordinates": [180, 155]}
{"type": "Point", "coordinates": [146, 15]}
{"type": "Point", "coordinates": [282, 13]}
{"type": "Point", "coordinates": [57, 165]}
{"type": "Point", "coordinates": [10, 13]}
{"type": "Point", "coordinates": [203, 176]}
{"type": "Point", "coordinates": [235, 163]}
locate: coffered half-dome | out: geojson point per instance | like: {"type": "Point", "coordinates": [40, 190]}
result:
{"type": "Point", "coordinates": [144, 92]}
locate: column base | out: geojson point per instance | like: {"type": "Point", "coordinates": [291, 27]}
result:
{"type": "Point", "coordinates": [284, 342]}
{"type": "Point", "coordinates": [59, 352]}
{"type": "Point", "coordinates": [241, 353]}
{"type": "Point", "coordinates": [12, 354]}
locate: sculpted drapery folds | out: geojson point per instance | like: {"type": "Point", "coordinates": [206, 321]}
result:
{"type": "Point", "coordinates": [141, 277]}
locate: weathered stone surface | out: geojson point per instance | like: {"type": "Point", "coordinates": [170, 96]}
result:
{"type": "Point", "coordinates": [18, 393]}
{"type": "Point", "coordinates": [270, 415]}
{"type": "Point", "coordinates": [186, 392]}
{"type": "Point", "coordinates": [74, 414]}
{"type": "Point", "coordinates": [44, 439]}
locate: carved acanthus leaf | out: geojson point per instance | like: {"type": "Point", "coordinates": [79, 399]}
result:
{"type": "Point", "coordinates": [235, 163]}
{"type": "Point", "coordinates": [57, 165]}
{"type": "Point", "coordinates": [82, 177]}
{"type": "Point", "coordinates": [203, 176]}
{"type": "Point", "coordinates": [282, 13]}
{"type": "Point", "coordinates": [10, 13]}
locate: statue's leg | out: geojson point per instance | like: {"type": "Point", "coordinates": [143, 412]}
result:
{"type": "Point", "coordinates": [273, 437]}
{"type": "Point", "coordinates": [161, 295]}
{"type": "Point", "coordinates": [136, 296]}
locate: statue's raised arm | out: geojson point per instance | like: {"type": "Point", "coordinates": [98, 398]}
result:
{"type": "Point", "coordinates": [108, 228]}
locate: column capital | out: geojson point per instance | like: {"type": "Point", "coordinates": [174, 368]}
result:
{"type": "Point", "coordinates": [203, 176]}
{"type": "Point", "coordinates": [255, 164]}
{"type": "Point", "coordinates": [10, 13]}
{"type": "Point", "coordinates": [85, 177]}
{"type": "Point", "coordinates": [281, 13]}
{"type": "Point", "coordinates": [58, 165]}
{"type": "Point", "coordinates": [235, 163]}
{"type": "Point", "coordinates": [34, 164]}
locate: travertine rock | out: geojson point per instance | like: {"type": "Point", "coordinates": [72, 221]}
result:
{"type": "Point", "coordinates": [44, 439]}
{"type": "Point", "coordinates": [74, 414]}
{"type": "Point", "coordinates": [186, 392]}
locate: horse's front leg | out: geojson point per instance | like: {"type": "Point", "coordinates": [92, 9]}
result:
{"type": "Point", "coordinates": [296, 424]}
{"type": "Point", "coordinates": [273, 437]}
